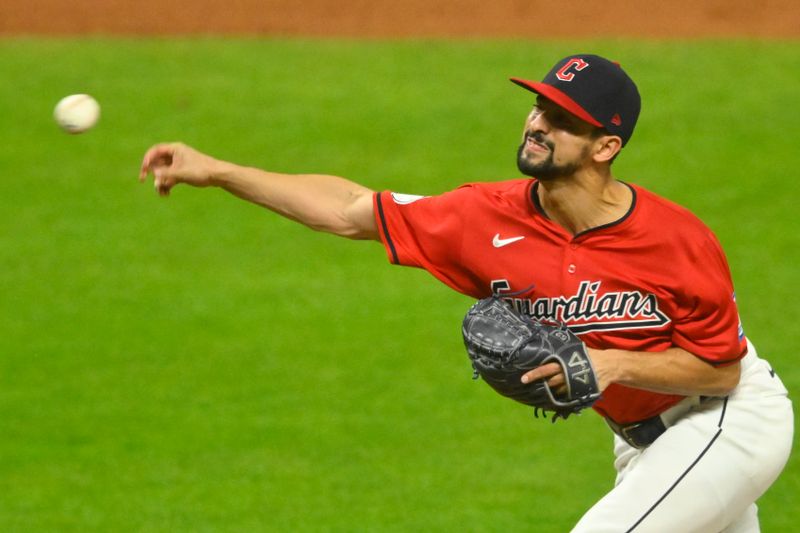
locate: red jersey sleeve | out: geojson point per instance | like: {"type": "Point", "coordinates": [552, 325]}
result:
{"type": "Point", "coordinates": [429, 232]}
{"type": "Point", "coordinates": [708, 323]}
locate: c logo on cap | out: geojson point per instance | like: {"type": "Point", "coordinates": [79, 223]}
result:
{"type": "Point", "coordinates": [577, 63]}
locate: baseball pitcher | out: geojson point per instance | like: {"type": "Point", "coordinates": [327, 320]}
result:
{"type": "Point", "coordinates": [591, 293]}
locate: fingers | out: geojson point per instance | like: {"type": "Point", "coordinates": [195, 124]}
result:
{"type": "Point", "coordinates": [163, 190]}
{"type": "Point", "coordinates": [157, 156]}
{"type": "Point", "coordinates": [160, 183]}
{"type": "Point", "coordinates": [551, 372]}
{"type": "Point", "coordinates": [174, 163]}
{"type": "Point", "coordinates": [558, 383]}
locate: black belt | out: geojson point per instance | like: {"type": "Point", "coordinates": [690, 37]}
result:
{"type": "Point", "coordinates": [644, 433]}
{"type": "Point", "coordinates": [639, 434]}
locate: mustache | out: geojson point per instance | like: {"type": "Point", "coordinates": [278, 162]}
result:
{"type": "Point", "coordinates": [538, 137]}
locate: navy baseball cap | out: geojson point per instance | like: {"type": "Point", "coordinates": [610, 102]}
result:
{"type": "Point", "coordinates": [593, 89]}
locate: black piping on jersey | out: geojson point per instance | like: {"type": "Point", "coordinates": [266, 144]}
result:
{"type": "Point", "coordinates": [385, 227]}
{"type": "Point", "coordinates": [691, 466]}
{"type": "Point", "coordinates": [538, 205]}
{"type": "Point", "coordinates": [615, 326]}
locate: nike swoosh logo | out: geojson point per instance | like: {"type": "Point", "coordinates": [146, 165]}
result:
{"type": "Point", "coordinates": [497, 242]}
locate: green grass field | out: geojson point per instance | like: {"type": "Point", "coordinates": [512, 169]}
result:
{"type": "Point", "coordinates": [198, 364]}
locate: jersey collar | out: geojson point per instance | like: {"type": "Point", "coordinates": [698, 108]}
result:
{"type": "Point", "coordinates": [535, 199]}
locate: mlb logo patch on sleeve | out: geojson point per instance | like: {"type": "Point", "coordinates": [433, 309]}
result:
{"type": "Point", "coordinates": [403, 199]}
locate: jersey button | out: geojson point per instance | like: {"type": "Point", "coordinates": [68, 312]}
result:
{"type": "Point", "coordinates": [574, 246]}
{"type": "Point", "coordinates": [571, 269]}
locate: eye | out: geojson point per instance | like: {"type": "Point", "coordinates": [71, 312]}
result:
{"type": "Point", "coordinates": [565, 122]}
{"type": "Point", "coordinates": [559, 120]}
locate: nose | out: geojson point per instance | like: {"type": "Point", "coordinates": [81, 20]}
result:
{"type": "Point", "coordinates": [538, 122]}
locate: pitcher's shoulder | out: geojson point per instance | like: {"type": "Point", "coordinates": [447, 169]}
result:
{"type": "Point", "coordinates": [668, 214]}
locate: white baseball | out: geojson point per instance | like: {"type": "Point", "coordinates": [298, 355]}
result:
{"type": "Point", "coordinates": [77, 113]}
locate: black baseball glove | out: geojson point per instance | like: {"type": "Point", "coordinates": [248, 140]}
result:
{"type": "Point", "coordinates": [504, 344]}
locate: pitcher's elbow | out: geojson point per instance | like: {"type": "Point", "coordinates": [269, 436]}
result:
{"type": "Point", "coordinates": [728, 379]}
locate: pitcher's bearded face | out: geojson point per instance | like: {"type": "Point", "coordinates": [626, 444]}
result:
{"type": "Point", "coordinates": [555, 143]}
{"type": "Point", "coordinates": [536, 158]}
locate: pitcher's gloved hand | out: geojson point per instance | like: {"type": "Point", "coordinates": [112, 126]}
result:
{"type": "Point", "coordinates": [504, 344]}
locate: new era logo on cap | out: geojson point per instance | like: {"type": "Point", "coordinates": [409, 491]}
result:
{"type": "Point", "coordinates": [594, 89]}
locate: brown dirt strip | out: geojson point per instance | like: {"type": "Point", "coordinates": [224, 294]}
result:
{"type": "Point", "coordinates": [407, 18]}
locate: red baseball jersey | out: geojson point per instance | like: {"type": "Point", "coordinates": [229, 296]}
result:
{"type": "Point", "coordinates": [654, 279]}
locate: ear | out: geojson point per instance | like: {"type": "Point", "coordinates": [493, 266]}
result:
{"type": "Point", "coordinates": [606, 148]}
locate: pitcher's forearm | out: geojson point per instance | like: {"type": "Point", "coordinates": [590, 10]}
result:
{"type": "Point", "coordinates": [674, 371]}
{"type": "Point", "coordinates": [321, 202]}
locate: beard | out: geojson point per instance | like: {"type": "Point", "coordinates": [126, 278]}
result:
{"type": "Point", "coordinates": [547, 169]}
